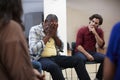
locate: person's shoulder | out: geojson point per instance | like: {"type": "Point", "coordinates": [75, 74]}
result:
{"type": "Point", "coordinates": [99, 29]}
{"type": "Point", "coordinates": [14, 25]}
{"type": "Point", "coordinates": [118, 23]}
{"type": "Point", "coordinates": [36, 27]}
{"type": "Point", "coordinates": [12, 31]}
{"type": "Point", "coordinates": [83, 27]}
{"type": "Point", "coordinates": [116, 26]}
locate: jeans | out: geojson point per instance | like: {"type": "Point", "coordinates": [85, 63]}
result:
{"type": "Point", "coordinates": [37, 65]}
{"type": "Point", "coordinates": [98, 57]}
{"type": "Point", "coordinates": [55, 64]}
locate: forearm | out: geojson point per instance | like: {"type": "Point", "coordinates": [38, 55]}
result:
{"type": "Point", "coordinates": [100, 42]}
{"type": "Point", "coordinates": [46, 39]}
{"type": "Point", "coordinates": [81, 49]}
{"type": "Point", "coordinates": [58, 42]}
{"type": "Point", "coordinates": [36, 43]}
{"type": "Point", "coordinates": [36, 47]}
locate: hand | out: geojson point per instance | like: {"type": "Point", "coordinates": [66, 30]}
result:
{"type": "Point", "coordinates": [92, 29]}
{"type": "Point", "coordinates": [50, 28]}
{"type": "Point", "coordinates": [38, 75]}
{"type": "Point", "coordinates": [90, 57]}
{"type": "Point", "coordinates": [53, 29]}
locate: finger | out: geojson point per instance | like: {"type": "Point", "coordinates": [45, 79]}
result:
{"type": "Point", "coordinates": [41, 77]}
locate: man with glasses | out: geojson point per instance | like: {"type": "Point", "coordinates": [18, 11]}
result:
{"type": "Point", "coordinates": [86, 40]}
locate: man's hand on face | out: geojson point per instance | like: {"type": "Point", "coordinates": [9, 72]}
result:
{"type": "Point", "coordinates": [92, 29]}
{"type": "Point", "coordinates": [51, 30]}
{"type": "Point", "coordinates": [53, 27]}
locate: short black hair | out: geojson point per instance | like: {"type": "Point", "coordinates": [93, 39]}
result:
{"type": "Point", "coordinates": [51, 17]}
{"type": "Point", "coordinates": [98, 16]}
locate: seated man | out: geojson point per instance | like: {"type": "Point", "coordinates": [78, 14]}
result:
{"type": "Point", "coordinates": [45, 43]}
{"type": "Point", "coordinates": [87, 39]}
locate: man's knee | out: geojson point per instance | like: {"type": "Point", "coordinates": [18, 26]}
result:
{"type": "Point", "coordinates": [81, 57]}
{"type": "Point", "coordinates": [52, 67]}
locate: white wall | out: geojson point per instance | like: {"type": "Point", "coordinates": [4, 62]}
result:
{"type": "Point", "coordinates": [78, 14]}
{"type": "Point", "coordinates": [58, 7]}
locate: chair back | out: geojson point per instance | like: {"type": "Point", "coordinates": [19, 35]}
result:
{"type": "Point", "coordinates": [73, 46]}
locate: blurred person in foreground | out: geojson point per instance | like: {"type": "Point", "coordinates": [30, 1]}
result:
{"type": "Point", "coordinates": [15, 61]}
{"type": "Point", "coordinates": [112, 59]}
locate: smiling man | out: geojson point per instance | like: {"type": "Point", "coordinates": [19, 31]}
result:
{"type": "Point", "coordinates": [86, 40]}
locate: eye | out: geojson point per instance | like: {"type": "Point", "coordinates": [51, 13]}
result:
{"type": "Point", "coordinates": [95, 22]}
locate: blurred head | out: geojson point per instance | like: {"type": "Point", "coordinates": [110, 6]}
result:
{"type": "Point", "coordinates": [51, 19]}
{"type": "Point", "coordinates": [96, 20]}
{"type": "Point", "coordinates": [10, 9]}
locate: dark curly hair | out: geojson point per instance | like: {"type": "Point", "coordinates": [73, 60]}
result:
{"type": "Point", "coordinates": [98, 16]}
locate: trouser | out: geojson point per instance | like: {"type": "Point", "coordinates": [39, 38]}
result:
{"type": "Point", "coordinates": [98, 57]}
{"type": "Point", "coordinates": [37, 65]}
{"type": "Point", "coordinates": [54, 65]}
